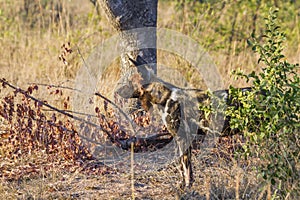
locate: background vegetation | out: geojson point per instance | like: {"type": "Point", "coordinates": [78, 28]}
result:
{"type": "Point", "coordinates": [31, 37]}
{"type": "Point", "coordinates": [269, 114]}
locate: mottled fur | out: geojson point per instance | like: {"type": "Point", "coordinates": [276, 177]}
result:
{"type": "Point", "coordinates": [166, 96]}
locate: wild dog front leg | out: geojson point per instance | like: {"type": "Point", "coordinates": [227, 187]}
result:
{"type": "Point", "coordinates": [172, 118]}
{"type": "Point", "coordinates": [185, 169]}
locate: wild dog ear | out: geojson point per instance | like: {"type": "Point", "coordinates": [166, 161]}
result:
{"type": "Point", "coordinates": [143, 68]}
{"type": "Point", "coordinates": [139, 61]}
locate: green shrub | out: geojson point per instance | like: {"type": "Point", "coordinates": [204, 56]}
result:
{"type": "Point", "coordinates": [268, 116]}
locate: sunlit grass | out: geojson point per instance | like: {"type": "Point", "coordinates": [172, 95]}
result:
{"type": "Point", "coordinates": [29, 53]}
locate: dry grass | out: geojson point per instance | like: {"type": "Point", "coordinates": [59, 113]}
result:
{"type": "Point", "coordinates": [29, 51]}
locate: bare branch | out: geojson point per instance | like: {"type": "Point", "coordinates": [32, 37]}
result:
{"type": "Point", "coordinates": [152, 143]}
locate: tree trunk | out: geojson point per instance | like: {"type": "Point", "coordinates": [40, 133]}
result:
{"type": "Point", "coordinates": [136, 21]}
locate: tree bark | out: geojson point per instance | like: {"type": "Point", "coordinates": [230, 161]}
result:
{"type": "Point", "coordinates": [136, 21]}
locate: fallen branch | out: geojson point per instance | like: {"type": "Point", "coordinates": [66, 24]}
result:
{"type": "Point", "coordinates": [150, 143]}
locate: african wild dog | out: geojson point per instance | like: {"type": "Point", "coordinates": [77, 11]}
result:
{"type": "Point", "coordinates": [166, 95]}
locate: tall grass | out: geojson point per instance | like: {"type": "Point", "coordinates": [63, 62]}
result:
{"type": "Point", "coordinates": [31, 36]}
